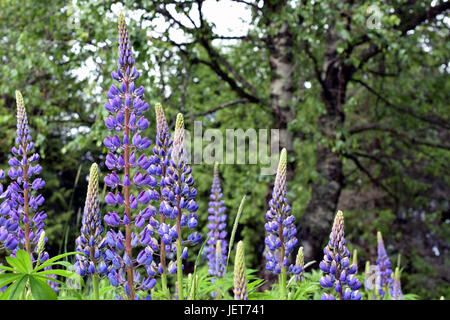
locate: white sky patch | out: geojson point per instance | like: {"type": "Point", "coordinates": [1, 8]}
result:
{"type": "Point", "coordinates": [307, 84]}
{"type": "Point", "coordinates": [435, 251]}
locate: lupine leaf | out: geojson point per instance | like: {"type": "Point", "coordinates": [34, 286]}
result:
{"type": "Point", "coordinates": [6, 278]}
{"type": "Point", "coordinates": [8, 268]}
{"type": "Point", "coordinates": [51, 260]}
{"type": "Point", "coordinates": [24, 258]}
{"type": "Point", "coordinates": [41, 290]}
{"type": "Point", "coordinates": [17, 264]}
{"type": "Point", "coordinates": [60, 272]}
{"type": "Point", "coordinates": [17, 288]}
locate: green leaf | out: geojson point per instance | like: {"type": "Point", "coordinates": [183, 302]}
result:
{"type": "Point", "coordinates": [25, 259]}
{"type": "Point", "coordinates": [17, 288]}
{"type": "Point", "coordinates": [7, 278]}
{"type": "Point", "coordinates": [41, 290]}
{"type": "Point", "coordinates": [50, 279]}
{"type": "Point", "coordinates": [17, 264]}
{"type": "Point", "coordinates": [233, 232]}
{"type": "Point", "coordinates": [58, 257]}
{"type": "Point", "coordinates": [8, 268]}
{"type": "Point", "coordinates": [60, 272]}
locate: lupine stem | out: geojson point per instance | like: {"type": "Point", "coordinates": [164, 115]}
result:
{"type": "Point", "coordinates": [127, 196]}
{"type": "Point", "coordinates": [179, 259]}
{"type": "Point", "coordinates": [283, 275]}
{"type": "Point", "coordinates": [25, 201]}
{"type": "Point", "coordinates": [163, 250]}
{"type": "Point", "coordinates": [95, 287]}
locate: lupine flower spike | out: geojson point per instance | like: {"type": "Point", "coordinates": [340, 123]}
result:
{"type": "Point", "coordinates": [126, 107]}
{"type": "Point", "coordinates": [217, 224]}
{"type": "Point", "coordinates": [91, 240]}
{"type": "Point", "coordinates": [162, 150]}
{"type": "Point", "coordinates": [339, 273]}
{"type": "Point", "coordinates": [297, 269]}
{"type": "Point", "coordinates": [281, 231]}
{"type": "Point", "coordinates": [21, 222]}
{"type": "Point", "coordinates": [183, 203]}
{"type": "Point", "coordinates": [397, 293]}
{"type": "Point", "coordinates": [355, 259]}
{"type": "Point", "coordinates": [384, 270]}
{"type": "Point", "coordinates": [240, 281]}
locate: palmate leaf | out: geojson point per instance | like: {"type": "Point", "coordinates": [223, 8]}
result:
{"type": "Point", "coordinates": [41, 290]}
{"type": "Point", "coordinates": [24, 258]}
{"type": "Point", "coordinates": [8, 268]}
{"type": "Point", "coordinates": [16, 289]}
{"type": "Point", "coordinates": [59, 272]}
{"type": "Point", "coordinates": [17, 265]}
{"type": "Point", "coordinates": [7, 278]}
{"type": "Point", "coordinates": [50, 262]}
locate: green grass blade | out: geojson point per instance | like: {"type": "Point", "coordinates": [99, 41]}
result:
{"type": "Point", "coordinates": [233, 233]}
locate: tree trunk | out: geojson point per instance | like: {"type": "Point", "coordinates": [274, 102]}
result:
{"type": "Point", "coordinates": [280, 43]}
{"type": "Point", "coordinates": [316, 223]}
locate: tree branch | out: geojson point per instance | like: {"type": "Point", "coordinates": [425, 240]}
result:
{"type": "Point", "coordinates": [217, 108]}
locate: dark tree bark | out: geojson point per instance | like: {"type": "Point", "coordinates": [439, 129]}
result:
{"type": "Point", "coordinates": [325, 192]}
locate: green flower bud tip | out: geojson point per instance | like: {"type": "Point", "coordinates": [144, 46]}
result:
{"type": "Point", "coordinates": [178, 151]}
{"type": "Point", "coordinates": [180, 122]}
{"type": "Point", "coordinates": [93, 175]}
{"type": "Point", "coordinates": [19, 99]}
{"type": "Point", "coordinates": [41, 242]}
{"type": "Point", "coordinates": [300, 260]}
{"type": "Point", "coordinates": [355, 257]}
{"type": "Point", "coordinates": [216, 169]}
{"type": "Point", "coordinates": [367, 269]}
{"type": "Point", "coordinates": [282, 164]}
{"type": "Point", "coordinates": [240, 281]}
{"type": "Point", "coordinates": [121, 19]}
{"type": "Point", "coordinates": [397, 274]}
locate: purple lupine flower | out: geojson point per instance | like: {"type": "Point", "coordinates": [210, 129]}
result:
{"type": "Point", "coordinates": [161, 155]}
{"type": "Point", "coordinates": [183, 207]}
{"type": "Point", "coordinates": [338, 272]}
{"type": "Point", "coordinates": [280, 229]}
{"type": "Point", "coordinates": [91, 240]}
{"type": "Point", "coordinates": [383, 268]}
{"type": "Point", "coordinates": [217, 224]}
{"type": "Point", "coordinates": [396, 292]}
{"type": "Point", "coordinates": [183, 193]}
{"type": "Point", "coordinates": [298, 268]}
{"type": "Point", "coordinates": [21, 221]}
{"type": "Point", "coordinates": [126, 107]}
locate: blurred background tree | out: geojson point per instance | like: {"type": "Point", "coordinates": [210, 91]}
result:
{"type": "Point", "coordinates": [360, 88]}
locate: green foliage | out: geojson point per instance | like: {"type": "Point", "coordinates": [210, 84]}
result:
{"type": "Point", "coordinates": [25, 282]}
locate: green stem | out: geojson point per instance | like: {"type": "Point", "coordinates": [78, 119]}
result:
{"type": "Point", "coordinates": [283, 277]}
{"type": "Point", "coordinates": [95, 287]}
{"type": "Point", "coordinates": [165, 289]}
{"type": "Point", "coordinates": [179, 269]}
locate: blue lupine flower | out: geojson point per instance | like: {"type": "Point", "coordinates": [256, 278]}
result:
{"type": "Point", "coordinates": [217, 224]}
{"type": "Point", "coordinates": [91, 240]}
{"type": "Point", "coordinates": [126, 107]}
{"type": "Point", "coordinates": [339, 273]}
{"type": "Point", "coordinates": [396, 292]}
{"type": "Point", "coordinates": [161, 156]}
{"type": "Point", "coordinates": [181, 204]}
{"type": "Point", "coordinates": [21, 221]}
{"type": "Point", "coordinates": [384, 270]}
{"type": "Point", "coordinates": [281, 231]}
